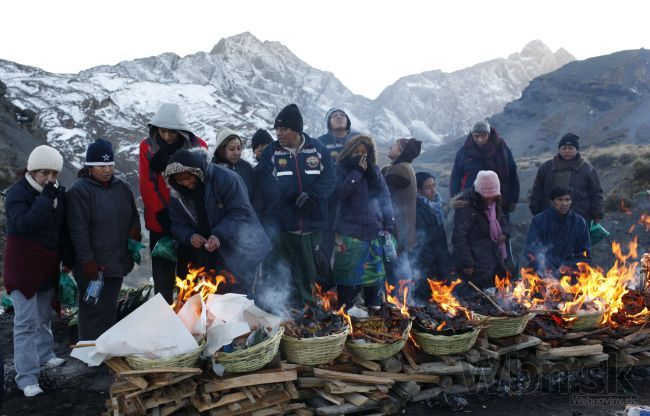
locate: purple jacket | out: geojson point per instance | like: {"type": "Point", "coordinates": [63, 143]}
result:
{"type": "Point", "coordinates": [359, 214]}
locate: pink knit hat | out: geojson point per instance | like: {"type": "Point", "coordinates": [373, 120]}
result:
{"type": "Point", "coordinates": [487, 184]}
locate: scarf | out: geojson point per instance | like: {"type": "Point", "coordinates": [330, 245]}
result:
{"type": "Point", "coordinates": [495, 229]}
{"type": "Point", "coordinates": [493, 155]}
{"type": "Point", "coordinates": [435, 206]}
{"type": "Point", "coordinates": [38, 188]}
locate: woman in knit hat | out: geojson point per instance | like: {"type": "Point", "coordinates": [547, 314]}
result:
{"type": "Point", "coordinates": [480, 231]}
{"type": "Point", "coordinates": [101, 218]}
{"type": "Point", "coordinates": [364, 213]}
{"type": "Point", "coordinates": [228, 155]}
{"type": "Point", "coordinates": [35, 208]}
{"type": "Point", "coordinates": [211, 214]}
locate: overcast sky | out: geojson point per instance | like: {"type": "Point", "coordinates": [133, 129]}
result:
{"type": "Point", "coordinates": [366, 44]}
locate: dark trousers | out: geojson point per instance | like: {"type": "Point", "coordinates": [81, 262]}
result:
{"type": "Point", "coordinates": [94, 320]}
{"type": "Point", "coordinates": [163, 271]}
{"type": "Point", "coordinates": [295, 252]}
{"type": "Point", "coordinates": [348, 294]}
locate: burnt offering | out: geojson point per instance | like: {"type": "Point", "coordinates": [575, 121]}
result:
{"type": "Point", "coordinates": [433, 320]}
{"type": "Point", "coordinates": [482, 306]}
{"type": "Point", "coordinates": [633, 310]}
{"type": "Point", "coordinates": [314, 321]}
{"type": "Point", "coordinates": [383, 325]}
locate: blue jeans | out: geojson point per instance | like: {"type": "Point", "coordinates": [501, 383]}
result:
{"type": "Point", "coordinates": [33, 340]}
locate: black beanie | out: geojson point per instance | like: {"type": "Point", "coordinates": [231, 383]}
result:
{"type": "Point", "coordinates": [420, 177]}
{"type": "Point", "coordinates": [290, 118]}
{"type": "Point", "coordinates": [260, 138]}
{"type": "Point", "coordinates": [570, 139]}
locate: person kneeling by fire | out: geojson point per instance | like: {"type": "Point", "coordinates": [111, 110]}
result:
{"type": "Point", "coordinates": [558, 237]}
{"type": "Point", "coordinates": [211, 213]}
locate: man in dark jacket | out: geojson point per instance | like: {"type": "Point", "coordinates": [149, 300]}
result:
{"type": "Point", "coordinates": [557, 236]}
{"type": "Point", "coordinates": [431, 256]}
{"type": "Point", "coordinates": [484, 149]}
{"type": "Point", "coordinates": [211, 214]}
{"type": "Point", "coordinates": [297, 177]}
{"type": "Point", "coordinates": [339, 132]}
{"type": "Point", "coordinates": [569, 170]}
{"type": "Point", "coordinates": [168, 132]}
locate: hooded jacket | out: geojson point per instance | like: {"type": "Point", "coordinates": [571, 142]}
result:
{"type": "Point", "coordinates": [153, 189]}
{"type": "Point", "coordinates": [99, 219]}
{"type": "Point", "coordinates": [362, 212]}
{"type": "Point", "coordinates": [495, 156]}
{"type": "Point", "coordinates": [285, 175]}
{"type": "Point", "coordinates": [586, 192]}
{"type": "Point", "coordinates": [554, 240]}
{"type": "Point", "coordinates": [242, 167]}
{"type": "Point", "coordinates": [231, 217]}
{"type": "Point", "coordinates": [472, 245]}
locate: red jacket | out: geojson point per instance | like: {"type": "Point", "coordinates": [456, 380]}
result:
{"type": "Point", "coordinates": [153, 188]}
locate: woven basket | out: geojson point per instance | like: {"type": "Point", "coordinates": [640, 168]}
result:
{"type": "Point", "coordinates": [253, 358]}
{"type": "Point", "coordinates": [505, 326]}
{"type": "Point", "coordinates": [582, 321]}
{"type": "Point", "coordinates": [312, 351]}
{"type": "Point", "coordinates": [376, 351]}
{"type": "Point", "coordinates": [446, 344]}
{"type": "Point", "coordinates": [188, 359]}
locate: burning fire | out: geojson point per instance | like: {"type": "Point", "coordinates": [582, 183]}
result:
{"type": "Point", "coordinates": [401, 300]}
{"type": "Point", "coordinates": [441, 293]}
{"type": "Point", "coordinates": [645, 221]}
{"type": "Point", "coordinates": [587, 289]}
{"type": "Point", "coordinates": [197, 281]}
{"type": "Point", "coordinates": [327, 300]}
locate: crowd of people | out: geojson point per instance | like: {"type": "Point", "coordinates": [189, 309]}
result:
{"type": "Point", "coordinates": [310, 210]}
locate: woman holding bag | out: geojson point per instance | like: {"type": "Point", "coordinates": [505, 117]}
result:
{"type": "Point", "coordinates": [101, 218]}
{"type": "Point", "coordinates": [35, 208]}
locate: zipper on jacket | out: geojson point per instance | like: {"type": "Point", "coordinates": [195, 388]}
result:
{"type": "Point", "coordinates": [299, 182]}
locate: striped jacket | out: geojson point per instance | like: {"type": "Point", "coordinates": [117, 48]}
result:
{"type": "Point", "coordinates": [285, 175]}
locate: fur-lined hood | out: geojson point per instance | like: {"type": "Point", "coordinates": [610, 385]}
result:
{"type": "Point", "coordinates": [354, 142]}
{"type": "Point", "coordinates": [195, 161]}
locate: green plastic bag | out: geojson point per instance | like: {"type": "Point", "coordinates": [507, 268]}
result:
{"type": "Point", "coordinates": [6, 302]}
{"type": "Point", "coordinates": [597, 233]}
{"type": "Point", "coordinates": [67, 291]}
{"type": "Point", "coordinates": [165, 248]}
{"type": "Point", "coordinates": [134, 248]}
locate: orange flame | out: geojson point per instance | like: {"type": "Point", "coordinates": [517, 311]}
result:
{"type": "Point", "coordinates": [402, 292]}
{"type": "Point", "coordinates": [197, 281]}
{"type": "Point", "coordinates": [645, 221]}
{"type": "Point", "coordinates": [326, 300]}
{"type": "Point", "coordinates": [441, 293]}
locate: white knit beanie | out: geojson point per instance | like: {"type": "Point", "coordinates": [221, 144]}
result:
{"type": "Point", "coordinates": [45, 157]}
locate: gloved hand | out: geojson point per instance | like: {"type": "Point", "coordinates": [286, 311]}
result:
{"type": "Point", "coordinates": [50, 191]}
{"type": "Point", "coordinates": [134, 234]}
{"type": "Point", "coordinates": [302, 199]}
{"type": "Point", "coordinates": [159, 161]}
{"type": "Point", "coordinates": [162, 217]}
{"type": "Point", "coordinates": [305, 203]}
{"type": "Point", "coordinates": [90, 270]}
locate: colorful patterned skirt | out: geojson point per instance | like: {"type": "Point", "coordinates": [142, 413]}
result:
{"type": "Point", "coordinates": [357, 262]}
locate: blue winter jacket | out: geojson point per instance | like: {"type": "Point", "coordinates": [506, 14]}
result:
{"type": "Point", "coordinates": [554, 240]}
{"type": "Point", "coordinates": [360, 215]}
{"type": "Point", "coordinates": [335, 145]}
{"type": "Point", "coordinates": [284, 176]}
{"type": "Point", "coordinates": [231, 218]}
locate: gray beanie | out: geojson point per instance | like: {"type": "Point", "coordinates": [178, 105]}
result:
{"type": "Point", "coordinates": [45, 157]}
{"type": "Point", "coordinates": [169, 116]}
{"type": "Point", "coordinates": [481, 127]}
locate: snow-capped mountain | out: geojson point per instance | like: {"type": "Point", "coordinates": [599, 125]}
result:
{"type": "Point", "coordinates": [243, 82]}
{"type": "Point", "coordinates": [436, 104]}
